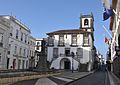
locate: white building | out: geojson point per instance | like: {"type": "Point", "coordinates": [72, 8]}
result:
{"type": "Point", "coordinates": [115, 28]}
{"type": "Point", "coordinates": [76, 43]}
{"type": "Point", "coordinates": [38, 46]}
{"type": "Point", "coordinates": [4, 34]}
{"type": "Point", "coordinates": [32, 57]}
{"type": "Point", "coordinates": [19, 44]}
{"type": "Point", "coordinates": [114, 50]}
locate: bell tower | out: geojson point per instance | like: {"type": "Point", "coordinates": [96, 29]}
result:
{"type": "Point", "coordinates": [87, 22]}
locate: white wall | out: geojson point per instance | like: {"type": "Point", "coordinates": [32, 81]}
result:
{"type": "Point", "coordinates": [20, 44]}
{"type": "Point", "coordinates": [4, 30]}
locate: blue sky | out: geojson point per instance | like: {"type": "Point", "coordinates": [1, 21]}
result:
{"type": "Point", "coordinates": [44, 16]}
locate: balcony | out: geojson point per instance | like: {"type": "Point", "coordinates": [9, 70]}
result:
{"type": "Point", "coordinates": [50, 44]}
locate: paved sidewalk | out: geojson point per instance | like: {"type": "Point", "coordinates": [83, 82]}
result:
{"type": "Point", "coordinates": [75, 75]}
{"type": "Point", "coordinates": [114, 80]}
{"type": "Point", "coordinates": [54, 79]}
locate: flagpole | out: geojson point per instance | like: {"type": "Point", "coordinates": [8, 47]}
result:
{"type": "Point", "coordinates": [107, 31]}
{"type": "Point", "coordinates": [117, 14]}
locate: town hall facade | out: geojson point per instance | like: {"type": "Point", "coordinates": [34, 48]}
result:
{"type": "Point", "coordinates": [73, 49]}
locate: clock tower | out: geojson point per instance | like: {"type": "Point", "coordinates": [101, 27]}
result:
{"type": "Point", "coordinates": [87, 22]}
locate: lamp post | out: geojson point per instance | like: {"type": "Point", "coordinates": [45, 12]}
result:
{"type": "Point", "coordinates": [72, 54]}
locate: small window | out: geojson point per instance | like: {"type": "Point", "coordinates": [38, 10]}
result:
{"type": "Point", "coordinates": [55, 52]}
{"type": "Point", "coordinates": [38, 43]}
{"type": "Point", "coordinates": [86, 22]}
{"type": "Point", "coordinates": [79, 52]}
{"type": "Point", "coordinates": [51, 40]}
{"type": "Point", "coordinates": [67, 51]}
{"type": "Point", "coordinates": [11, 34]}
{"type": "Point", "coordinates": [16, 33]}
{"type": "Point", "coordinates": [0, 57]}
{"type": "Point", "coordinates": [8, 52]}
{"type": "Point", "coordinates": [1, 37]}
{"type": "Point", "coordinates": [15, 51]}
{"type": "Point", "coordinates": [21, 36]}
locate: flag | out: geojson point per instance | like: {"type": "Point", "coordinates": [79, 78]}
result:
{"type": "Point", "coordinates": [108, 11]}
{"type": "Point", "coordinates": [106, 40]}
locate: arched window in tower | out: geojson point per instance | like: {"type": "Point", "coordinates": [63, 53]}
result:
{"type": "Point", "coordinates": [38, 43]}
{"type": "Point", "coordinates": [86, 22]}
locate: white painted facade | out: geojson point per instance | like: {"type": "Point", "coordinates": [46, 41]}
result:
{"type": "Point", "coordinates": [19, 44]}
{"type": "Point", "coordinates": [115, 30]}
{"type": "Point", "coordinates": [60, 56]}
{"type": "Point", "coordinates": [4, 34]}
{"type": "Point", "coordinates": [32, 57]}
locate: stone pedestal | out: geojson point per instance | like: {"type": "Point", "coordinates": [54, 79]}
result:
{"type": "Point", "coordinates": [42, 63]}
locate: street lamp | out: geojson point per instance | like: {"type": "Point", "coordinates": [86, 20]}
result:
{"type": "Point", "coordinates": [72, 54]}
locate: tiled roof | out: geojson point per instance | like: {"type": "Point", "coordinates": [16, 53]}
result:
{"type": "Point", "coordinates": [69, 31]}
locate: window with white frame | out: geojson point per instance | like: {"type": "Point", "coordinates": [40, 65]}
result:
{"type": "Point", "coordinates": [61, 39]}
{"type": "Point", "coordinates": [55, 52]}
{"type": "Point", "coordinates": [17, 33]}
{"type": "Point", "coordinates": [25, 38]}
{"type": "Point", "coordinates": [21, 36]}
{"type": "Point", "coordinates": [27, 53]}
{"type": "Point", "coordinates": [24, 52]}
{"type": "Point", "coordinates": [15, 50]}
{"type": "Point", "coordinates": [1, 40]}
{"type": "Point", "coordinates": [30, 52]}
{"type": "Point", "coordinates": [20, 52]}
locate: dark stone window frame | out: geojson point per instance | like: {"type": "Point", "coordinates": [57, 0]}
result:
{"type": "Point", "coordinates": [72, 37]}
{"type": "Point", "coordinates": [67, 52]}
{"type": "Point", "coordinates": [80, 53]}
{"type": "Point", "coordinates": [55, 53]}
{"type": "Point", "coordinates": [61, 40]}
{"type": "Point", "coordinates": [51, 40]}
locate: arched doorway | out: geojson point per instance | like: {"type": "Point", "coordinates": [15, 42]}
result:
{"type": "Point", "coordinates": [65, 63]}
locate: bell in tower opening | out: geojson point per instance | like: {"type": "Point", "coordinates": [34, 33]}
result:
{"type": "Point", "coordinates": [87, 22]}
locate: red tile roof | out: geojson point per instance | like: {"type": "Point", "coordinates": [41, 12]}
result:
{"type": "Point", "coordinates": [70, 31]}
